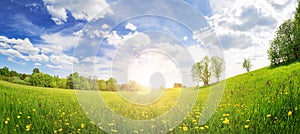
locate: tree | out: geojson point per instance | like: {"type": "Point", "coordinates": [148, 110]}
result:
{"type": "Point", "coordinates": [4, 71]}
{"type": "Point", "coordinates": [217, 66]}
{"type": "Point", "coordinates": [40, 79]}
{"type": "Point", "coordinates": [297, 32]}
{"type": "Point", "coordinates": [112, 85]}
{"type": "Point", "coordinates": [35, 70]}
{"type": "Point", "coordinates": [201, 72]}
{"type": "Point", "coordinates": [247, 64]}
{"type": "Point", "coordinates": [101, 85]}
{"type": "Point", "coordinates": [73, 81]}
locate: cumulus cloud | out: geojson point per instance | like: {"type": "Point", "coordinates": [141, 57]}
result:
{"type": "Point", "coordinates": [130, 26]}
{"type": "Point", "coordinates": [54, 66]}
{"type": "Point", "coordinates": [81, 10]}
{"type": "Point", "coordinates": [57, 43]}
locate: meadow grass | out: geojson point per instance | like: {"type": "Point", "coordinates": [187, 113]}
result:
{"type": "Point", "coordinates": [262, 101]}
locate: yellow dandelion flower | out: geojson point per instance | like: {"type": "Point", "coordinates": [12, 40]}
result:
{"type": "Point", "coordinates": [268, 115]}
{"type": "Point", "coordinates": [33, 110]}
{"type": "Point", "coordinates": [60, 129]}
{"type": "Point", "coordinates": [18, 116]}
{"type": "Point", "coordinates": [82, 125]}
{"type": "Point", "coordinates": [114, 131]}
{"type": "Point", "coordinates": [290, 113]}
{"type": "Point", "coordinates": [225, 115]}
{"type": "Point", "coordinates": [55, 131]}
{"type": "Point", "coordinates": [6, 122]}
{"type": "Point", "coordinates": [184, 129]}
{"type": "Point", "coordinates": [206, 127]}
{"type": "Point", "coordinates": [226, 121]}
{"type": "Point", "coordinates": [7, 119]}
{"type": "Point", "coordinates": [20, 112]}
{"type": "Point", "coordinates": [201, 128]}
{"type": "Point", "coordinates": [78, 129]}
{"type": "Point", "coordinates": [247, 120]}
{"type": "Point", "coordinates": [246, 126]}
{"type": "Point", "coordinates": [28, 117]}
{"type": "Point", "coordinates": [17, 125]}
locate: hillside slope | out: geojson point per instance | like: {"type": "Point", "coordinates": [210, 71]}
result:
{"type": "Point", "coordinates": [263, 101]}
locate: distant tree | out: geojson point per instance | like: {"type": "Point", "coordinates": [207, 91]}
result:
{"type": "Point", "coordinates": [201, 72]}
{"type": "Point", "coordinates": [101, 85]}
{"type": "Point", "coordinates": [4, 71]}
{"type": "Point", "coordinates": [112, 85]}
{"type": "Point", "coordinates": [84, 84]}
{"type": "Point", "coordinates": [247, 64]}
{"type": "Point", "coordinates": [73, 81]}
{"type": "Point", "coordinates": [177, 85]}
{"type": "Point", "coordinates": [40, 79]}
{"type": "Point", "coordinates": [217, 66]}
{"type": "Point", "coordinates": [13, 73]}
{"type": "Point", "coordinates": [35, 70]}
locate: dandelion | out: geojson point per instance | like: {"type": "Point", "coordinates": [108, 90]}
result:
{"type": "Point", "coordinates": [290, 113]}
{"type": "Point", "coordinates": [60, 129]}
{"type": "Point", "coordinates": [17, 125]}
{"type": "Point", "coordinates": [55, 131]}
{"type": "Point", "coordinates": [28, 117]}
{"type": "Point", "coordinates": [206, 127]}
{"type": "Point", "coordinates": [7, 119]}
{"type": "Point", "coordinates": [28, 127]}
{"type": "Point", "coordinates": [247, 121]}
{"type": "Point", "coordinates": [184, 129]}
{"type": "Point", "coordinates": [225, 115]}
{"type": "Point", "coordinates": [6, 122]}
{"type": "Point", "coordinates": [18, 116]}
{"type": "Point", "coordinates": [82, 125]}
{"type": "Point", "coordinates": [33, 110]}
{"type": "Point", "coordinates": [226, 121]}
{"type": "Point", "coordinates": [201, 128]}
{"type": "Point", "coordinates": [246, 126]}
{"type": "Point", "coordinates": [268, 115]}
{"type": "Point", "coordinates": [114, 131]}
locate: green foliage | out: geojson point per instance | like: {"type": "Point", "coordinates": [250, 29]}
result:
{"type": "Point", "coordinates": [101, 85]}
{"type": "Point", "coordinates": [247, 64]}
{"type": "Point", "coordinates": [217, 66]}
{"type": "Point", "coordinates": [41, 80]}
{"type": "Point", "coordinates": [4, 71]}
{"type": "Point", "coordinates": [203, 70]}
{"type": "Point", "coordinates": [285, 47]}
{"type": "Point", "coordinates": [112, 85]}
{"type": "Point", "coordinates": [35, 71]}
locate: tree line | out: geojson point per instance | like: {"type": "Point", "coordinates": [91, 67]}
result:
{"type": "Point", "coordinates": [72, 81]}
{"type": "Point", "coordinates": [285, 47]}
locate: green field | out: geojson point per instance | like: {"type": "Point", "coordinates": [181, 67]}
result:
{"type": "Point", "coordinates": [262, 101]}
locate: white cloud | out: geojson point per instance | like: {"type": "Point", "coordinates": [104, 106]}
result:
{"type": "Point", "coordinates": [63, 59]}
{"type": "Point", "coordinates": [59, 15]}
{"type": "Point", "coordinates": [37, 64]}
{"type": "Point", "coordinates": [130, 26]}
{"type": "Point", "coordinates": [54, 66]}
{"type": "Point", "coordinates": [104, 26]}
{"type": "Point", "coordinates": [57, 43]}
{"type": "Point", "coordinates": [82, 10]}
{"type": "Point", "coordinates": [12, 60]}
{"type": "Point", "coordinates": [185, 38]}
{"type": "Point", "coordinates": [21, 45]}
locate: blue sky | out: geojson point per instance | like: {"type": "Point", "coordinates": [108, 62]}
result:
{"type": "Point", "coordinates": [45, 34]}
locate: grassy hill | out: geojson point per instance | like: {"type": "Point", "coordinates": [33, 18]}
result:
{"type": "Point", "coordinates": [262, 101]}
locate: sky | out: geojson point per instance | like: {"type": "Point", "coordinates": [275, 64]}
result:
{"type": "Point", "coordinates": [134, 39]}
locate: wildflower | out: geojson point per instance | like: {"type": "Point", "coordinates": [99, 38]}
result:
{"type": "Point", "coordinates": [28, 127]}
{"type": "Point", "coordinates": [247, 120]}
{"type": "Point", "coordinates": [114, 131]}
{"type": "Point", "coordinates": [268, 115]}
{"type": "Point", "coordinates": [28, 117]}
{"type": "Point", "coordinates": [82, 125]}
{"type": "Point", "coordinates": [60, 129]}
{"type": "Point", "coordinates": [184, 129]}
{"type": "Point", "coordinates": [206, 127]}
{"type": "Point", "coordinates": [6, 122]}
{"type": "Point", "coordinates": [201, 128]}
{"type": "Point", "coordinates": [225, 115]}
{"type": "Point", "coordinates": [33, 110]}
{"type": "Point", "coordinates": [226, 121]}
{"type": "Point", "coordinates": [290, 113]}
{"type": "Point", "coordinates": [7, 119]}
{"type": "Point", "coordinates": [18, 116]}
{"type": "Point", "coordinates": [55, 131]}
{"type": "Point", "coordinates": [246, 126]}
{"type": "Point", "coordinates": [17, 125]}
